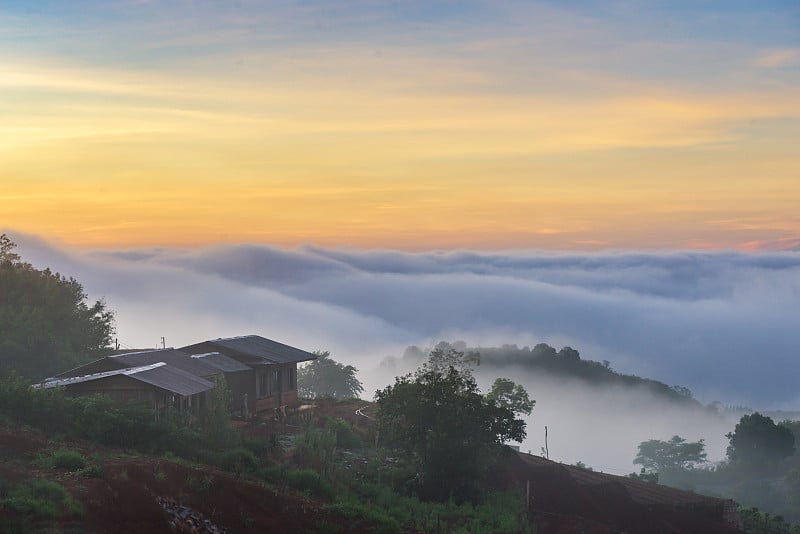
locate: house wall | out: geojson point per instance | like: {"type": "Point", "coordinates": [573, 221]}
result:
{"type": "Point", "coordinates": [123, 390]}
{"type": "Point", "coordinates": [241, 383]}
{"type": "Point", "coordinates": [263, 394]}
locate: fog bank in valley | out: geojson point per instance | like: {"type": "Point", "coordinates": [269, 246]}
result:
{"type": "Point", "coordinates": [725, 324]}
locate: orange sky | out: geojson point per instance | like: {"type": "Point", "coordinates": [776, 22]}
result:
{"type": "Point", "coordinates": [353, 141]}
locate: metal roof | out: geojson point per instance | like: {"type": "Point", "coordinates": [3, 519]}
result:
{"type": "Point", "coordinates": [221, 362]}
{"type": "Point", "coordinates": [263, 349]}
{"type": "Point", "coordinates": [159, 374]}
{"type": "Point", "coordinates": [97, 366]}
{"type": "Point", "coordinates": [173, 379]}
{"type": "Point", "coordinates": [173, 357]}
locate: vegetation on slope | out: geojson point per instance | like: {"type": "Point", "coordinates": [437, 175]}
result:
{"type": "Point", "coordinates": [46, 323]}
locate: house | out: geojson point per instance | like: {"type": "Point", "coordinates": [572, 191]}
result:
{"type": "Point", "coordinates": [260, 373]}
{"type": "Point", "coordinates": [272, 380]}
{"type": "Point", "coordinates": [158, 385]}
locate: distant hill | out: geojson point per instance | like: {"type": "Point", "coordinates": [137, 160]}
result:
{"type": "Point", "coordinates": [564, 363]}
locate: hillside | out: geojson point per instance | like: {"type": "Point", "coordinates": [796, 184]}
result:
{"type": "Point", "coordinates": [123, 491]}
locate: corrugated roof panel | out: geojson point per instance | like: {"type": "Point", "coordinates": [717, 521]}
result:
{"type": "Point", "coordinates": [263, 348]}
{"type": "Point", "coordinates": [66, 381]}
{"type": "Point", "coordinates": [172, 357]}
{"type": "Point", "coordinates": [159, 374]}
{"type": "Point", "coordinates": [101, 365]}
{"type": "Point", "coordinates": [221, 362]}
{"type": "Point", "coordinates": [173, 379]}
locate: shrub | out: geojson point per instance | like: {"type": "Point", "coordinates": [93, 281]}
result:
{"type": "Point", "coordinates": [92, 471]}
{"type": "Point", "coordinates": [309, 481]}
{"type": "Point", "coordinates": [366, 518]}
{"type": "Point", "coordinates": [345, 436]}
{"type": "Point", "coordinates": [43, 498]}
{"type": "Point", "coordinates": [67, 459]}
{"type": "Point", "coordinates": [315, 449]}
{"type": "Point", "coordinates": [275, 474]}
{"type": "Point", "coordinates": [199, 484]}
{"type": "Point", "coordinates": [239, 460]}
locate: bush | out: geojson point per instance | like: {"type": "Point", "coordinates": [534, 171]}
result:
{"type": "Point", "coordinates": [239, 460]}
{"type": "Point", "coordinates": [42, 498]}
{"type": "Point", "coordinates": [309, 481]}
{"type": "Point", "coordinates": [275, 474]}
{"type": "Point", "coordinates": [366, 518]}
{"type": "Point", "coordinates": [99, 419]}
{"type": "Point", "coordinates": [67, 459]}
{"type": "Point", "coordinates": [315, 449]}
{"type": "Point", "coordinates": [345, 436]}
{"type": "Point", "coordinates": [92, 471]}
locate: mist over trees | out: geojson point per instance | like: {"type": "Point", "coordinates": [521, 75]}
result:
{"type": "Point", "coordinates": [46, 323]}
{"type": "Point", "coordinates": [564, 363]}
{"type": "Point", "coordinates": [659, 456]}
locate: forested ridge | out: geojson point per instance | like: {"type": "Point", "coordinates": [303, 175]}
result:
{"type": "Point", "coordinates": [565, 363]}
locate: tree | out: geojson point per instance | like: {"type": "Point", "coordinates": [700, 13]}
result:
{"type": "Point", "coordinates": [569, 354]}
{"type": "Point", "coordinates": [7, 254]}
{"type": "Point", "coordinates": [513, 396]}
{"type": "Point", "coordinates": [450, 431]}
{"type": "Point", "coordinates": [658, 456]}
{"type": "Point", "coordinates": [325, 377]}
{"type": "Point", "coordinates": [758, 442]}
{"type": "Point", "coordinates": [46, 324]}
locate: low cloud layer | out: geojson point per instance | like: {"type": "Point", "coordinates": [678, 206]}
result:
{"type": "Point", "coordinates": [724, 324]}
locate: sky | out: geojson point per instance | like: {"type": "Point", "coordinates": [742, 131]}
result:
{"type": "Point", "coordinates": [359, 176]}
{"type": "Point", "coordinates": [411, 126]}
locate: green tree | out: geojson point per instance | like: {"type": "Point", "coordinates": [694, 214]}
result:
{"type": "Point", "coordinates": [506, 393]}
{"type": "Point", "coordinates": [451, 432]}
{"type": "Point", "coordinates": [757, 442]}
{"type": "Point", "coordinates": [325, 377]}
{"type": "Point", "coordinates": [677, 453]}
{"type": "Point", "coordinates": [46, 324]}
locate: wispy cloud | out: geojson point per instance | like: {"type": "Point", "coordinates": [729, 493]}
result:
{"type": "Point", "coordinates": [779, 58]}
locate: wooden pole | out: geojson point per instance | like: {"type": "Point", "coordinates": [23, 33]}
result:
{"type": "Point", "coordinates": [527, 494]}
{"type": "Point", "coordinates": [546, 449]}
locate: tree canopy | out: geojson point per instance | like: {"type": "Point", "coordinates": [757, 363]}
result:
{"type": "Point", "coordinates": [758, 442]}
{"type": "Point", "coordinates": [46, 323]}
{"type": "Point", "coordinates": [438, 416]}
{"type": "Point", "coordinates": [506, 393]}
{"type": "Point", "coordinates": [677, 453]}
{"type": "Point", "coordinates": [325, 377]}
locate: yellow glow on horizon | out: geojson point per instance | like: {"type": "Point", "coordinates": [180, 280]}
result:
{"type": "Point", "coordinates": [102, 158]}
